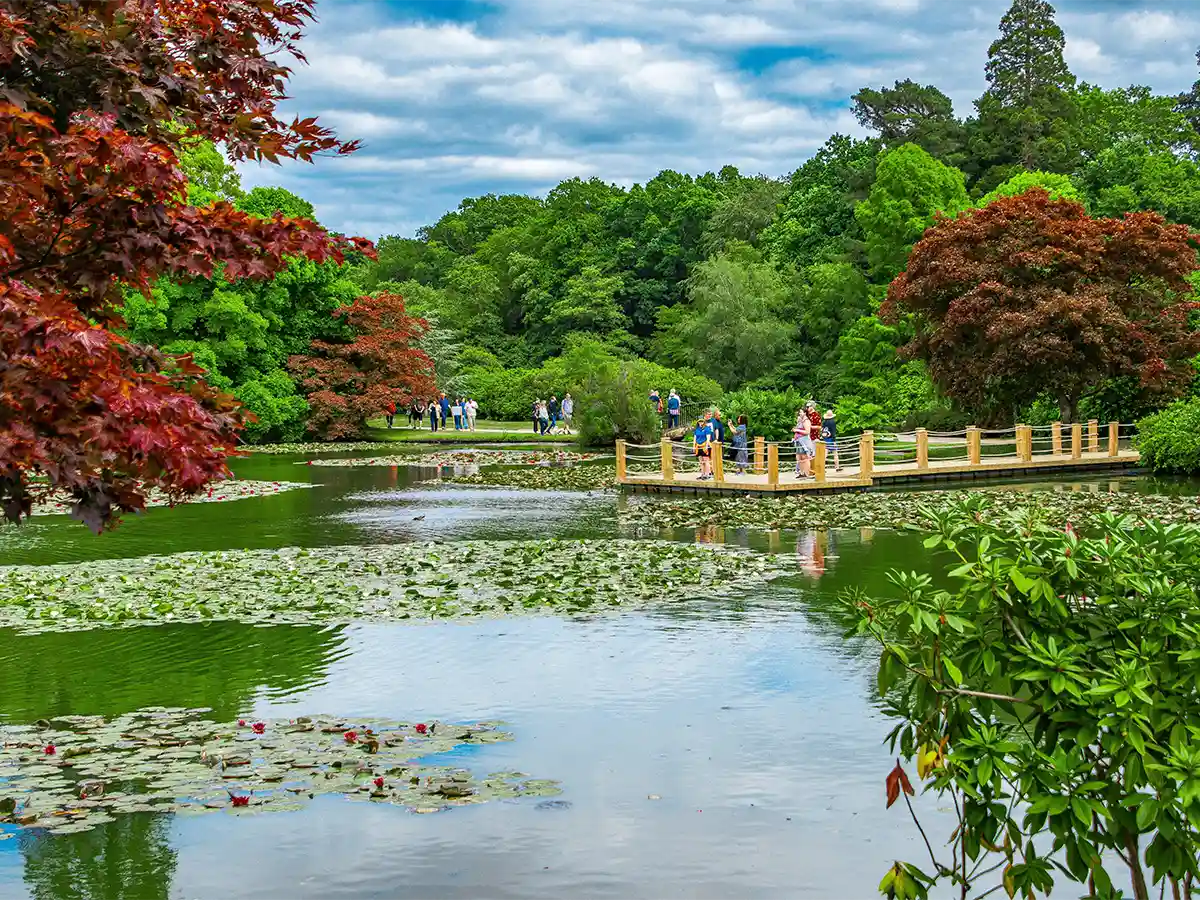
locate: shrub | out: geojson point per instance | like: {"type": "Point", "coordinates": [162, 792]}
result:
{"type": "Point", "coordinates": [1169, 441]}
{"type": "Point", "coordinates": [1047, 695]}
{"type": "Point", "coordinates": [281, 413]}
{"type": "Point", "coordinates": [770, 414]}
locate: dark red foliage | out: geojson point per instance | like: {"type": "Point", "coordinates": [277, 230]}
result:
{"type": "Point", "coordinates": [348, 383]}
{"type": "Point", "coordinates": [1030, 295]}
{"type": "Point", "coordinates": [96, 101]}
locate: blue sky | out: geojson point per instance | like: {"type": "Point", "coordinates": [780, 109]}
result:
{"type": "Point", "coordinates": [456, 98]}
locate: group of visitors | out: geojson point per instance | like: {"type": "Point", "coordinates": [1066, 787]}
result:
{"type": "Point", "coordinates": [552, 417]}
{"type": "Point", "coordinates": [462, 411]}
{"type": "Point", "coordinates": [811, 426]}
{"type": "Point", "coordinates": [710, 431]}
{"type": "Point", "coordinates": [673, 406]}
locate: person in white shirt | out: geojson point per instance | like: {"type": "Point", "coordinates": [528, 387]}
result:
{"type": "Point", "coordinates": [472, 412]}
{"type": "Point", "coordinates": [568, 411]}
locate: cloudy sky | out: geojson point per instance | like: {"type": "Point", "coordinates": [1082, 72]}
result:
{"type": "Point", "coordinates": [456, 98]}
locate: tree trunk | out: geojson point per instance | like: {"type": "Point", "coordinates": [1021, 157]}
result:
{"type": "Point", "coordinates": [1136, 875]}
{"type": "Point", "coordinates": [1068, 408]}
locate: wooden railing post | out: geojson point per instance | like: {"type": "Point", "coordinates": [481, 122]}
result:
{"type": "Point", "coordinates": [773, 465]}
{"type": "Point", "coordinates": [819, 463]}
{"type": "Point", "coordinates": [1024, 443]}
{"type": "Point", "coordinates": [1093, 436]}
{"type": "Point", "coordinates": [1056, 438]}
{"type": "Point", "coordinates": [718, 461]}
{"type": "Point", "coordinates": [668, 462]}
{"type": "Point", "coordinates": [620, 460]}
{"type": "Point", "coordinates": [922, 448]}
{"type": "Point", "coordinates": [760, 455]}
{"type": "Point", "coordinates": [866, 453]}
{"type": "Point", "coordinates": [974, 445]}
{"type": "Point", "coordinates": [1076, 440]}
{"type": "Point", "coordinates": [1114, 439]}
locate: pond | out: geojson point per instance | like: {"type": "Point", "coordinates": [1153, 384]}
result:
{"type": "Point", "coordinates": [723, 745]}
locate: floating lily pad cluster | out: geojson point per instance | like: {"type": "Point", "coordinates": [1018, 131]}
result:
{"type": "Point", "coordinates": [218, 492]}
{"type": "Point", "coordinates": [387, 583]}
{"type": "Point", "coordinates": [594, 477]}
{"type": "Point", "coordinates": [76, 772]}
{"type": "Point", "coordinates": [310, 447]}
{"type": "Point", "coordinates": [896, 509]}
{"type": "Point", "coordinates": [467, 458]}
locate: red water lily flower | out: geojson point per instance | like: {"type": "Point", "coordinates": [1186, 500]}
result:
{"type": "Point", "coordinates": [240, 801]}
{"type": "Point", "coordinates": [50, 750]}
{"type": "Point", "coordinates": [241, 723]}
{"type": "Point", "coordinates": [350, 736]}
{"type": "Point", "coordinates": [421, 727]}
{"type": "Point", "coordinates": [259, 727]}
{"type": "Point", "coordinates": [378, 782]}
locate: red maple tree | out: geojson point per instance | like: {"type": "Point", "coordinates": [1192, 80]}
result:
{"type": "Point", "coordinates": [349, 382]}
{"type": "Point", "coordinates": [97, 98]}
{"type": "Point", "coordinates": [1030, 295]}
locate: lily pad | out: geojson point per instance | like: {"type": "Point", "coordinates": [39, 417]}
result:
{"type": "Point", "coordinates": [177, 783]}
{"type": "Point", "coordinates": [354, 584]}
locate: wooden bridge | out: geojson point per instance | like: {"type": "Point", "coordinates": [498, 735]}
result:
{"type": "Point", "coordinates": [867, 461]}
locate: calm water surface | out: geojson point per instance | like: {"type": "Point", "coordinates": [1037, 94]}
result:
{"type": "Point", "coordinates": [747, 716]}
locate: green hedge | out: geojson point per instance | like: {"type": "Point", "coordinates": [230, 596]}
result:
{"type": "Point", "coordinates": [1169, 441]}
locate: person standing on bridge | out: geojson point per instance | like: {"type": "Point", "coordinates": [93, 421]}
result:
{"type": "Point", "coordinates": [741, 446]}
{"type": "Point", "coordinates": [702, 438]}
{"type": "Point", "coordinates": [674, 405]}
{"type": "Point", "coordinates": [829, 436]}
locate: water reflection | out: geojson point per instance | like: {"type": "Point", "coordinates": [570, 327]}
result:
{"type": "Point", "coordinates": [130, 858]}
{"type": "Point", "coordinates": [222, 665]}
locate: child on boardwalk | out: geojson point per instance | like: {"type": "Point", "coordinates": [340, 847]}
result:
{"type": "Point", "coordinates": [702, 438]}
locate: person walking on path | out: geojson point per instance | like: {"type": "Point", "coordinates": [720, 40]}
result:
{"type": "Point", "coordinates": [390, 409]}
{"type": "Point", "coordinates": [456, 412]}
{"type": "Point", "coordinates": [702, 437]}
{"type": "Point", "coordinates": [433, 415]}
{"type": "Point", "coordinates": [568, 411]}
{"type": "Point", "coordinates": [444, 408]}
{"type": "Point", "coordinates": [673, 406]}
{"type": "Point", "coordinates": [543, 417]}
{"type": "Point", "coordinates": [536, 418]}
{"type": "Point", "coordinates": [740, 445]}
{"type": "Point", "coordinates": [472, 411]}
{"type": "Point", "coordinates": [829, 436]}
{"type": "Point", "coordinates": [552, 409]}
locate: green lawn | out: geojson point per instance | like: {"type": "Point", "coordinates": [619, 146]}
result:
{"type": "Point", "coordinates": [486, 432]}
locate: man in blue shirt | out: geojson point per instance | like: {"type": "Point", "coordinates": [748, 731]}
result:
{"type": "Point", "coordinates": [444, 406]}
{"type": "Point", "coordinates": [673, 406]}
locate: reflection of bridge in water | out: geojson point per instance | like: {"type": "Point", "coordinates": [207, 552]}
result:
{"type": "Point", "coordinates": [872, 460]}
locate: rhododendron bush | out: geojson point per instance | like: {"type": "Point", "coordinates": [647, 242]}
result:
{"type": "Point", "coordinates": [96, 103]}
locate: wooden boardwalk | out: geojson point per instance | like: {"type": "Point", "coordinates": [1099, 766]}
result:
{"type": "Point", "coordinates": [1034, 452]}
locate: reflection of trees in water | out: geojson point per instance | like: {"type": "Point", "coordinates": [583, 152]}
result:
{"type": "Point", "coordinates": [129, 858]}
{"type": "Point", "coordinates": [113, 671]}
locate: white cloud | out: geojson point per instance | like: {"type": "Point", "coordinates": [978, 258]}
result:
{"type": "Point", "coordinates": [539, 90]}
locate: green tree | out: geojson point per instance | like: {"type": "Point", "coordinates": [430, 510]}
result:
{"type": "Point", "coordinates": [1130, 177]}
{"type": "Point", "coordinates": [1131, 115]}
{"type": "Point", "coordinates": [1026, 118]}
{"type": "Point", "coordinates": [910, 188]}
{"type": "Point", "coordinates": [743, 214]}
{"type": "Point", "coordinates": [816, 221]}
{"type": "Point", "coordinates": [1057, 186]}
{"type": "Point", "coordinates": [210, 175]}
{"type": "Point", "coordinates": [738, 323]}
{"type": "Point", "coordinates": [912, 113]}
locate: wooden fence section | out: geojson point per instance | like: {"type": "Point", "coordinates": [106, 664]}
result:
{"type": "Point", "coordinates": [868, 460]}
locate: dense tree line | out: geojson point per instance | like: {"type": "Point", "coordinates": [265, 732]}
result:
{"type": "Point", "coordinates": [723, 281]}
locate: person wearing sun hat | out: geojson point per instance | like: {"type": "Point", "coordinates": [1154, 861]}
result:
{"type": "Point", "coordinates": [829, 436]}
